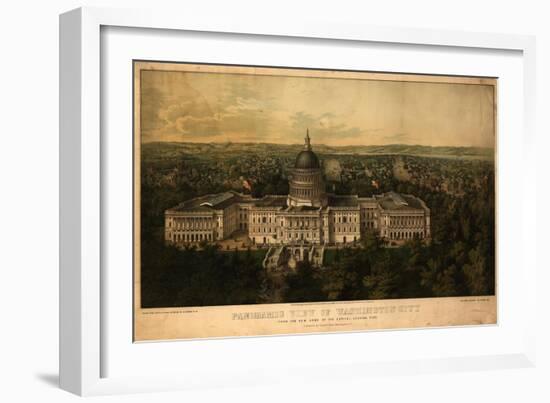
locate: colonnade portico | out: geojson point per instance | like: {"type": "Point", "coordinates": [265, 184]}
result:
{"type": "Point", "coordinates": [192, 228]}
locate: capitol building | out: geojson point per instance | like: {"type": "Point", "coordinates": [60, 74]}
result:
{"type": "Point", "coordinates": [308, 215]}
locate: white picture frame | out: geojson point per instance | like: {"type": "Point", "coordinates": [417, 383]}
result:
{"type": "Point", "coordinates": [82, 299]}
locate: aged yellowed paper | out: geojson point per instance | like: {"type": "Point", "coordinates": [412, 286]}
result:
{"type": "Point", "coordinates": [280, 201]}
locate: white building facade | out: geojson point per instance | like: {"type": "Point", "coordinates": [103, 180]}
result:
{"type": "Point", "coordinates": [307, 215]}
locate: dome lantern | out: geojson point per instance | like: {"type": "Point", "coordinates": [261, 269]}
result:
{"type": "Point", "coordinates": [307, 145]}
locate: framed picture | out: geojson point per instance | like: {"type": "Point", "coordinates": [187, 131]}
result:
{"type": "Point", "coordinates": [315, 182]}
{"type": "Point", "coordinates": [240, 231]}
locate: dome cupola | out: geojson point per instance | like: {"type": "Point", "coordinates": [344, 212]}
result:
{"type": "Point", "coordinates": [306, 186]}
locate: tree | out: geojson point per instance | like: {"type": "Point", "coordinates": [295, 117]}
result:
{"type": "Point", "coordinates": [438, 279]}
{"type": "Point", "coordinates": [445, 285]}
{"type": "Point", "coordinates": [382, 282]}
{"type": "Point", "coordinates": [372, 244]}
{"type": "Point", "coordinates": [475, 273]}
{"type": "Point", "coordinates": [339, 282]}
{"type": "Point", "coordinates": [304, 285]}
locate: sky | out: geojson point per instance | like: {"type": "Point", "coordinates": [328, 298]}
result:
{"type": "Point", "coordinates": [219, 107]}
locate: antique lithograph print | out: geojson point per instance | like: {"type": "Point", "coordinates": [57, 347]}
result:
{"type": "Point", "coordinates": [280, 201]}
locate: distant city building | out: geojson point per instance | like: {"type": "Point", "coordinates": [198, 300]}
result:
{"type": "Point", "coordinates": [306, 216]}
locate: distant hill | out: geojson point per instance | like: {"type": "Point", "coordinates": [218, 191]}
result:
{"type": "Point", "coordinates": [404, 149]}
{"type": "Point", "coordinates": [172, 149]}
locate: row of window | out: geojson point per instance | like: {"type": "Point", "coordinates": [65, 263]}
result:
{"type": "Point", "coordinates": [206, 223]}
{"type": "Point", "coordinates": [345, 219]}
{"type": "Point", "coordinates": [191, 237]}
{"type": "Point", "coordinates": [192, 223]}
{"type": "Point", "coordinates": [401, 221]}
{"type": "Point", "coordinates": [369, 214]}
{"type": "Point", "coordinates": [260, 230]}
{"type": "Point", "coordinates": [345, 229]}
{"type": "Point", "coordinates": [262, 219]}
{"type": "Point", "coordinates": [313, 224]}
{"type": "Point", "coordinates": [301, 235]}
{"type": "Point", "coordinates": [397, 235]}
{"type": "Point", "coordinates": [304, 192]}
{"type": "Point", "coordinates": [293, 223]}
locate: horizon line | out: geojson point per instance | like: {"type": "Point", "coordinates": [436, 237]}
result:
{"type": "Point", "coordinates": [313, 145]}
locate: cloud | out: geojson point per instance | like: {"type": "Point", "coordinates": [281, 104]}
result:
{"type": "Point", "coordinates": [397, 137]}
{"type": "Point", "coordinates": [181, 116]}
{"type": "Point", "coordinates": [250, 104]}
{"type": "Point", "coordinates": [186, 107]}
{"type": "Point", "coordinates": [198, 106]}
{"type": "Point", "coordinates": [206, 126]}
{"type": "Point", "coordinates": [195, 118]}
{"type": "Point", "coordinates": [322, 127]}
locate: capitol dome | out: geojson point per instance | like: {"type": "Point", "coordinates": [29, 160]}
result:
{"type": "Point", "coordinates": [306, 186]}
{"type": "Point", "coordinates": [307, 160]}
